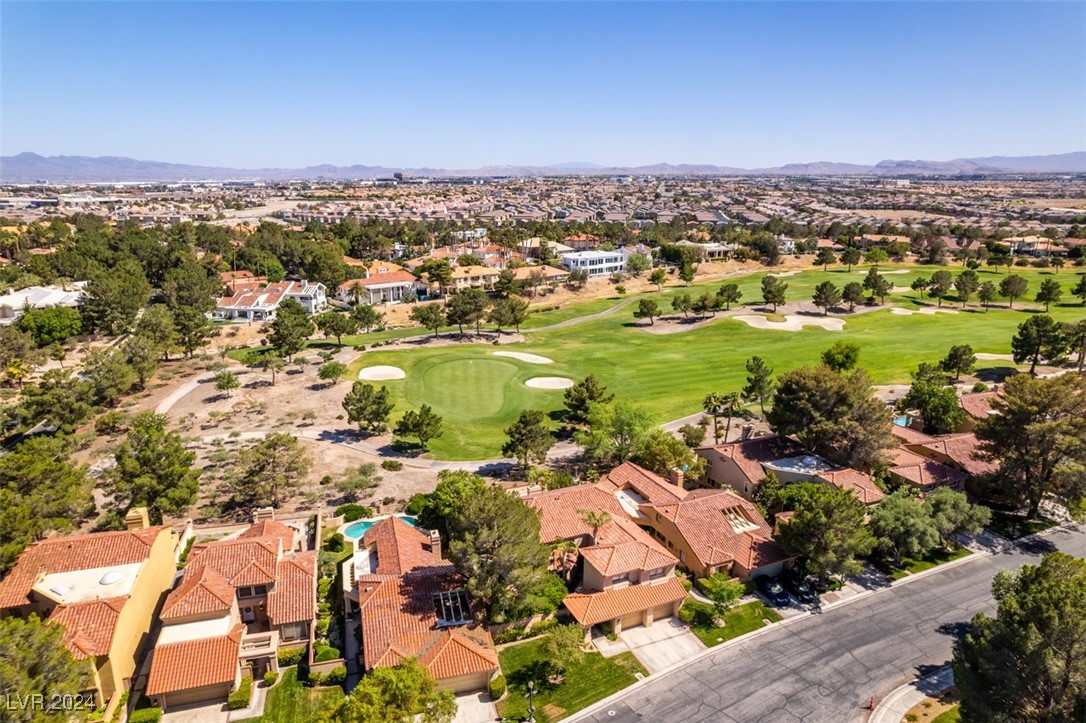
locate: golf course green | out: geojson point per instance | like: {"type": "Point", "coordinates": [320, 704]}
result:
{"type": "Point", "coordinates": [669, 374]}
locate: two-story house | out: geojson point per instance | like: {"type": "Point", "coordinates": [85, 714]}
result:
{"type": "Point", "coordinates": [596, 263]}
{"type": "Point", "coordinates": [623, 576]}
{"type": "Point", "coordinates": [103, 588]}
{"type": "Point", "coordinates": [254, 301]}
{"type": "Point", "coordinates": [241, 599]}
{"type": "Point", "coordinates": [412, 603]}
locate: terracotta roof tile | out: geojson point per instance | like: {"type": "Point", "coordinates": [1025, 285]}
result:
{"type": "Point", "coordinates": [861, 485]}
{"type": "Point", "coordinates": [194, 663]}
{"type": "Point", "coordinates": [89, 626]}
{"type": "Point", "coordinates": [242, 561]}
{"type": "Point", "coordinates": [273, 530]}
{"type": "Point", "coordinates": [77, 552]}
{"type": "Point", "coordinates": [621, 546]}
{"type": "Point", "coordinates": [703, 519]}
{"type": "Point", "coordinates": [202, 591]}
{"type": "Point", "coordinates": [294, 597]}
{"type": "Point", "coordinates": [908, 435]}
{"type": "Point", "coordinates": [921, 471]}
{"type": "Point", "coordinates": [560, 511]}
{"type": "Point", "coordinates": [598, 607]}
{"type": "Point", "coordinates": [749, 454]}
{"type": "Point", "coordinates": [978, 405]}
{"type": "Point", "coordinates": [961, 449]}
{"type": "Point", "coordinates": [401, 547]}
{"type": "Point", "coordinates": [654, 488]}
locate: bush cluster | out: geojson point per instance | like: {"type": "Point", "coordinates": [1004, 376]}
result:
{"type": "Point", "coordinates": [497, 687]}
{"type": "Point", "coordinates": [240, 698]}
{"type": "Point", "coordinates": [290, 656]}
{"type": "Point", "coordinates": [145, 715]}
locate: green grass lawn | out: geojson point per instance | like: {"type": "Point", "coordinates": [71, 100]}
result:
{"type": "Point", "coordinates": [952, 715]}
{"type": "Point", "coordinates": [594, 679]}
{"type": "Point", "coordinates": [909, 566]}
{"type": "Point", "coordinates": [740, 620]}
{"type": "Point", "coordinates": [290, 701]}
{"type": "Point", "coordinates": [669, 374]}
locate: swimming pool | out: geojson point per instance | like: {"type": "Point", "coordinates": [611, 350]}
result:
{"type": "Point", "coordinates": [356, 530]}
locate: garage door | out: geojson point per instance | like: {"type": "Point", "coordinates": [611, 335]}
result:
{"type": "Point", "coordinates": [465, 683]}
{"type": "Point", "coordinates": [197, 695]}
{"type": "Point", "coordinates": [632, 620]}
{"type": "Point", "coordinates": [661, 612]}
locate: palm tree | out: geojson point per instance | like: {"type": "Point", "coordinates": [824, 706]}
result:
{"type": "Point", "coordinates": [17, 371]}
{"type": "Point", "coordinates": [713, 404]}
{"type": "Point", "coordinates": [595, 520]}
{"type": "Point", "coordinates": [731, 401]}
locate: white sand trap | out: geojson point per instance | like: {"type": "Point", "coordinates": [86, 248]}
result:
{"type": "Point", "coordinates": [791, 323]}
{"type": "Point", "coordinates": [994, 357]}
{"type": "Point", "coordinates": [381, 373]}
{"type": "Point", "coordinates": [785, 273]}
{"type": "Point", "coordinates": [520, 356]}
{"type": "Point", "coordinates": [549, 383]}
{"type": "Point", "coordinates": [929, 312]}
{"type": "Point", "coordinates": [884, 273]}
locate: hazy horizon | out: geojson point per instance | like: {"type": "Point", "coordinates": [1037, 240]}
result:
{"type": "Point", "coordinates": [468, 85]}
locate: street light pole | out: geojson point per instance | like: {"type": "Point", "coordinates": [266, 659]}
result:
{"type": "Point", "coordinates": [531, 701]}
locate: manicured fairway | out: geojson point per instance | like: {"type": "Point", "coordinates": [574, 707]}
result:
{"type": "Point", "coordinates": [670, 374]}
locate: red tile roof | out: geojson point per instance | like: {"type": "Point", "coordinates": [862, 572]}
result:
{"type": "Point", "coordinates": [702, 520]}
{"type": "Point", "coordinates": [908, 435]}
{"type": "Point", "coordinates": [399, 621]}
{"type": "Point", "coordinates": [749, 455]}
{"type": "Point", "coordinates": [654, 488]}
{"type": "Point", "coordinates": [560, 511]}
{"type": "Point", "coordinates": [598, 607]}
{"type": "Point", "coordinates": [89, 626]}
{"type": "Point", "coordinates": [242, 561]}
{"type": "Point", "coordinates": [270, 529]}
{"type": "Point", "coordinates": [401, 547]}
{"type": "Point", "coordinates": [195, 663]}
{"type": "Point", "coordinates": [204, 591]}
{"type": "Point", "coordinates": [622, 547]}
{"type": "Point", "coordinates": [978, 405]}
{"type": "Point", "coordinates": [962, 449]}
{"type": "Point", "coordinates": [861, 485]}
{"type": "Point", "coordinates": [77, 552]}
{"type": "Point", "coordinates": [389, 277]}
{"type": "Point", "coordinates": [923, 472]}
{"type": "Point", "coordinates": [294, 597]}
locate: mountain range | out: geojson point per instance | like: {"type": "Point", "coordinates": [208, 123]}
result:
{"type": "Point", "coordinates": [33, 168]}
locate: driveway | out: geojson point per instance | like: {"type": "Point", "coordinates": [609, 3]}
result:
{"type": "Point", "coordinates": [667, 642]}
{"type": "Point", "coordinates": [200, 713]}
{"type": "Point", "coordinates": [474, 708]}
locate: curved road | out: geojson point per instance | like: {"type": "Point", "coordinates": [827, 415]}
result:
{"type": "Point", "coordinates": [827, 667]}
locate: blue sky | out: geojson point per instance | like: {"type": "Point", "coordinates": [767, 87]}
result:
{"type": "Point", "coordinates": [461, 85]}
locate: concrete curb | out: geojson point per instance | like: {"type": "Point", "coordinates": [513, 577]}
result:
{"type": "Point", "coordinates": [893, 707]}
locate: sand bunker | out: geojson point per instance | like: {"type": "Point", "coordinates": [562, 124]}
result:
{"type": "Point", "coordinates": [785, 273]}
{"type": "Point", "coordinates": [910, 312]}
{"type": "Point", "coordinates": [994, 357]}
{"type": "Point", "coordinates": [520, 356]}
{"type": "Point", "coordinates": [791, 323]}
{"type": "Point", "coordinates": [884, 273]}
{"type": "Point", "coordinates": [549, 383]}
{"type": "Point", "coordinates": [381, 373]}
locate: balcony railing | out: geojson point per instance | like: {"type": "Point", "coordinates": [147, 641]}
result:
{"type": "Point", "coordinates": [259, 644]}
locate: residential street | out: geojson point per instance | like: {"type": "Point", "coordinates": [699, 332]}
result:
{"type": "Point", "coordinates": [826, 667]}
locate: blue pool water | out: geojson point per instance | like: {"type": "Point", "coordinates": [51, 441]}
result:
{"type": "Point", "coordinates": [358, 529]}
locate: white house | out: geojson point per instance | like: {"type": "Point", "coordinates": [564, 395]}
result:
{"type": "Point", "coordinates": [253, 302]}
{"type": "Point", "coordinates": [14, 303]}
{"type": "Point", "coordinates": [596, 263]}
{"type": "Point", "coordinates": [387, 287]}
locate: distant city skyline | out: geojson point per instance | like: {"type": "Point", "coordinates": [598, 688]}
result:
{"type": "Point", "coordinates": [466, 85]}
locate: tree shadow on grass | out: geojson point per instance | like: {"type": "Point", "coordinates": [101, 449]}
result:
{"type": "Point", "coordinates": [538, 672]}
{"type": "Point", "coordinates": [995, 375]}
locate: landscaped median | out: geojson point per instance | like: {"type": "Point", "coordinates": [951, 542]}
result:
{"type": "Point", "coordinates": [582, 684]}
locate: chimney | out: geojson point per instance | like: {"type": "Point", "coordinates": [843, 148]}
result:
{"type": "Point", "coordinates": [435, 542]}
{"type": "Point", "coordinates": [137, 519]}
{"type": "Point", "coordinates": [675, 476]}
{"type": "Point", "coordinates": [746, 432]}
{"type": "Point", "coordinates": [263, 513]}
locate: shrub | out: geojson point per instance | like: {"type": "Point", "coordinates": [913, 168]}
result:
{"type": "Point", "coordinates": [543, 626]}
{"type": "Point", "coordinates": [353, 512]}
{"type": "Point", "coordinates": [335, 543]}
{"type": "Point", "coordinates": [392, 465]}
{"type": "Point", "coordinates": [112, 423]}
{"type": "Point", "coordinates": [146, 715]}
{"type": "Point", "coordinates": [335, 676]}
{"type": "Point", "coordinates": [270, 678]}
{"type": "Point", "coordinates": [497, 687]}
{"type": "Point", "coordinates": [290, 656]}
{"type": "Point", "coordinates": [980, 387]}
{"type": "Point", "coordinates": [721, 589]}
{"type": "Point", "coordinates": [697, 614]}
{"type": "Point", "coordinates": [240, 698]}
{"type": "Point", "coordinates": [325, 652]}
{"type": "Point", "coordinates": [510, 635]}
{"type": "Point", "coordinates": [417, 504]}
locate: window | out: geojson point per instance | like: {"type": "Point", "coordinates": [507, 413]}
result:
{"type": "Point", "coordinates": [452, 608]}
{"type": "Point", "coordinates": [682, 555]}
{"type": "Point", "coordinates": [624, 577]}
{"type": "Point", "coordinates": [252, 591]}
{"type": "Point", "coordinates": [294, 631]}
{"type": "Point", "coordinates": [657, 573]}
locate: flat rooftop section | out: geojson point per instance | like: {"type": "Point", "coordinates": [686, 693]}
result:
{"type": "Point", "coordinates": [196, 630]}
{"type": "Point", "coordinates": [806, 464]}
{"type": "Point", "coordinates": [592, 254]}
{"type": "Point", "coordinates": [96, 583]}
{"type": "Point", "coordinates": [630, 502]}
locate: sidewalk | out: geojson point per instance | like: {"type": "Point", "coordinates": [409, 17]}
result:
{"type": "Point", "coordinates": [894, 706]}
